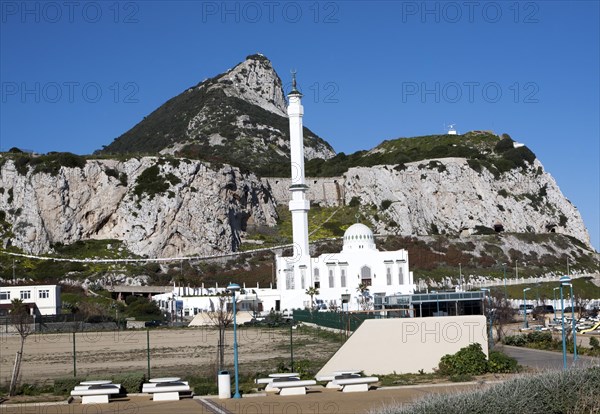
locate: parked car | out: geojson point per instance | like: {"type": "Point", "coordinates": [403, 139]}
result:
{"type": "Point", "coordinates": [578, 309]}
{"type": "Point", "coordinates": [543, 309]}
{"type": "Point", "coordinates": [528, 307]}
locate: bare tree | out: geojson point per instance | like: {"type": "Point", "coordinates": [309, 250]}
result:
{"type": "Point", "coordinates": [221, 316]}
{"type": "Point", "coordinates": [21, 320]}
{"type": "Point", "coordinates": [501, 313]}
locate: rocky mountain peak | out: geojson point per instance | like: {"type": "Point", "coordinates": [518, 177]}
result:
{"type": "Point", "coordinates": [255, 81]}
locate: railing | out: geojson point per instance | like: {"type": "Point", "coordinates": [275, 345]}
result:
{"type": "Point", "coordinates": [524, 280]}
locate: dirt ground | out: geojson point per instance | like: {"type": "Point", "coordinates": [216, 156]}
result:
{"type": "Point", "coordinates": [173, 352]}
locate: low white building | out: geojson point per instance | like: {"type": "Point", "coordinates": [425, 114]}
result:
{"type": "Point", "coordinates": [349, 280]}
{"type": "Point", "coordinates": [46, 297]}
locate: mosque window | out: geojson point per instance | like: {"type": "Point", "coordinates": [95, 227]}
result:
{"type": "Point", "coordinates": [317, 275]}
{"type": "Point", "coordinates": [365, 275]}
{"type": "Point", "coordinates": [401, 275]}
{"type": "Point", "coordinates": [343, 278]}
{"type": "Point", "coordinates": [289, 280]}
{"type": "Point", "coordinates": [388, 274]}
{"type": "Point", "coordinates": [302, 278]}
{"type": "Point", "coordinates": [331, 280]}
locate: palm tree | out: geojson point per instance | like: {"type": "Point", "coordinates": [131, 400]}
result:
{"type": "Point", "coordinates": [363, 290]}
{"type": "Point", "coordinates": [312, 292]}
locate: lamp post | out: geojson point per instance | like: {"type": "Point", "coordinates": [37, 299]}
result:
{"type": "Point", "coordinates": [234, 287]}
{"type": "Point", "coordinates": [460, 275]}
{"type": "Point", "coordinates": [554, 303]}
{"type": "Point", "coordinates": [489, 311]}
{"type": "Point", "coordinates": [564, 342]}
{"type": "Point", "coordinates": [504, 267]}
{"type": "Point", "coordinates": [573, 322]}
{"type": "Point", "coordinates": [525, 324]}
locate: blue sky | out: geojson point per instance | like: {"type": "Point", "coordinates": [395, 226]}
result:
{"type": "Point", "coordinates": [76, 75]}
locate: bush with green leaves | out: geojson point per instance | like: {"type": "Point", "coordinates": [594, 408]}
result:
{"type": "Point", "coordinates": [500, 363]}
{"type": "Point", "coordinates": [64, 386]}
{"type": "Point", "coordinates": [470, 360]}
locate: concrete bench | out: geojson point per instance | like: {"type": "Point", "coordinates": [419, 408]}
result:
{"type": "Point", "coordinates": [166, 391]}
{"type": "Point", "coordinates": [94, 394]}
{"type": "Point", "coordinates": [271, 383]}
{"type": "Point", "coordinates": [330, 379]}
{"type": "Point", "coordinates": [293, 387]}
{"type": "Point", "coordinates": [355, 384]}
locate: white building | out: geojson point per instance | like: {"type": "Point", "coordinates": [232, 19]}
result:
{"type": "Point", "coordinates": [46, 297]}
{"type": "Point", "coordinates": [341, 278]}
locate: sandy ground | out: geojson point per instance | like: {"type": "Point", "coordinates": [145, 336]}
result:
{"type": "Point", "coordinates": [173, 352]}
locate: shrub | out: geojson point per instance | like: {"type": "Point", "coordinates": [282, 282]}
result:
{"type": "Point", "coordinates": [131, 382]}
{"type": "Point", "coordinates": [571, 391]}
{"type": "Point", "coordinates": [64, 386]}
{"type": "Point", "coordinates": [504, 144]}
{"type": "Point", "coordinates": [354, 202]}
{"type": "Point", "coordinates": [594, 343]}
{"type": "Point", "coordinates": [385, 204]}
{"type": "Point", "coordinates": [468, 360]}
{"type": "Point", "coordinates": [499, 362]}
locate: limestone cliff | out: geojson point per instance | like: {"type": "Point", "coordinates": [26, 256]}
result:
{"type": "Point", "coordinates": [448, 196]}
{"type": "Point", "coordinates": [158, 208]}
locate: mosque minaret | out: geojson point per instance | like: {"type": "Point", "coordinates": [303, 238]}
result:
{"type": "Point", "coordinates": [299, 204]}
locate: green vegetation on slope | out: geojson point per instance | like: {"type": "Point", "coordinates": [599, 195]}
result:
{"type": "Point", "coordinates": [481, 149]}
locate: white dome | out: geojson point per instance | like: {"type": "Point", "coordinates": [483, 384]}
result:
{"type": "Point", "coordinates": [358, 236]}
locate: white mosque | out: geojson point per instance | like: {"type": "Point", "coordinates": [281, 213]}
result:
{"type": "Point", "coordinates": [350, 280]}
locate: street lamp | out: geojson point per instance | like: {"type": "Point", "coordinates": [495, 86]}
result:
{"type": "Point", "coordinates": [234, 287]}
{"type": "Point", "coordinates": [525, 324]}
{"type": "Point", "coordinates": [489, 311]}
{"type": "Point", "coordinates": [562, 312]}
{"type": "Point", "coordinates": [504, 266]}
{"type": "Point", "coordinates": [573, 321]}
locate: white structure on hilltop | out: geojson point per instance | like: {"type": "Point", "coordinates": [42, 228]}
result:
{"type": "Point", "coordinates": [349, 280]}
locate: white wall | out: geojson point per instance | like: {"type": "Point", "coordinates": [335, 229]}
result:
{"type": "Point", "coordinates": [406, 345]}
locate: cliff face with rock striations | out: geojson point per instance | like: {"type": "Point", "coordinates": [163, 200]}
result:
{"type": "Point", "coordinates": [158, 209]}
{"type": "Point", "coordinates": [448, 196]}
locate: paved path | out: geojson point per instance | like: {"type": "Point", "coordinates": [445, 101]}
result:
{"type": "Point", "coordinates": [317, 401]}
{"type": "Point", "coordinates": [543, 360]}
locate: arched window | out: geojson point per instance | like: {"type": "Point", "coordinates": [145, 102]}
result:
{"type": "Point", "coordinates": [365, 275]}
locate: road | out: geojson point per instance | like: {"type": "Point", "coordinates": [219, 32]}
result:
{"type": "Point", "coordinates": [544, 360]}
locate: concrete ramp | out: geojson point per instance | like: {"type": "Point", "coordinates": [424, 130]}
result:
{"type": "Point", "coordinates": [406, 345]}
